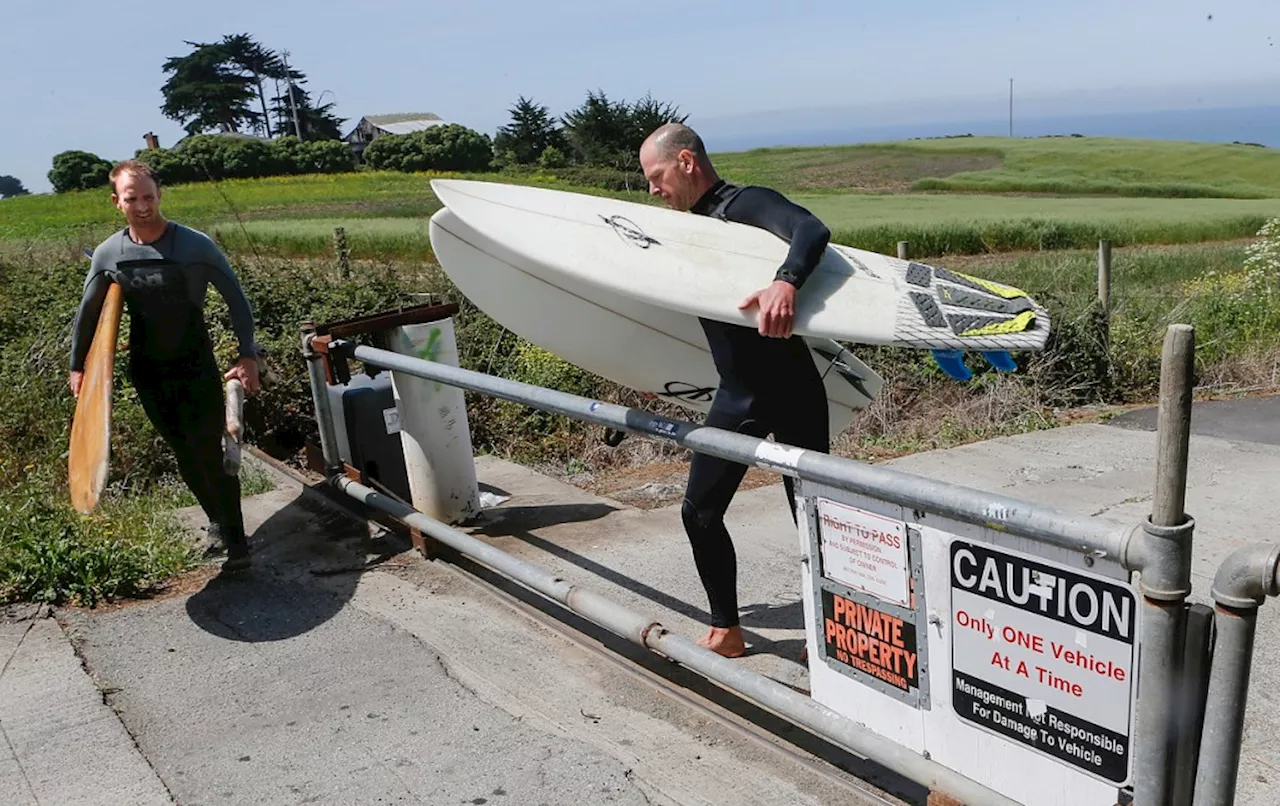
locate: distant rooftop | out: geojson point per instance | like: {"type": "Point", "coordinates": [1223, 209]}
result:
{"type": "Point", "coordinates": [382, 120]}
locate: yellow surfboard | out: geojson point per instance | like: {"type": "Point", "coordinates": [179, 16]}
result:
{"type": "Point", "coordinates": [90, 452]}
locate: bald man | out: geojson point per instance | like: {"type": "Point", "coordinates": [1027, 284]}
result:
{"type": "Point", "coordinates": [768, 381]}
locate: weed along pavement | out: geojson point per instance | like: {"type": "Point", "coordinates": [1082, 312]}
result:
{"type": "Point", "coordinates": [347, 668]}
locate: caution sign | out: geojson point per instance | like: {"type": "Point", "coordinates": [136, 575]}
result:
{"type": "Point", "coordinates": [1043, 655]}
{"type": "Point", "coordinates": [870, 641]}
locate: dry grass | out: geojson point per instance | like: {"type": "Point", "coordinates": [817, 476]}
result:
{"type": "Point", "coordinates": [889, 171]}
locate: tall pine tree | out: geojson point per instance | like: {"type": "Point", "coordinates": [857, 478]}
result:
{"type": "Point", "coordinates": [206, 93]}
{"type": "Point", "coordinates": [531, 131]}
{"type": "Point", "coordinates": [256, 63]}
{"type": "Point", "coordinates": [316, 122]}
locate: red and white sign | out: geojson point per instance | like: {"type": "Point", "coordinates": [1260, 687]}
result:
{"type": "Point", "coordinates": [866, 551]}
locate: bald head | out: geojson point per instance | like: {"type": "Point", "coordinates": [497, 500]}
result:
{"type": "Point", "coordinates": [674, 160]}
{"type": "Point", "coordinates": [670, 139]}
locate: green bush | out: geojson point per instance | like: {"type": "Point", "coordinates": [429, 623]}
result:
{"type": "Point", "coordinates": [48, 553]}
{"type": "Point", "coordinates": [215, 157]}
{"type": "Point", "coordinates": [325, 157]}
{"type": "Point", "coordinates": [551, 158]}
{"type": "Point", "coordinates": [600, 177]}
{"type": "Point", "coordinates": [78, 170]}
{"type": "Point", "coordinates": [446, 147]}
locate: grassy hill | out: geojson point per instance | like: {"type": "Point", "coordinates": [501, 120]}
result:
{"type": "Point", "coordinates": [1061, 165]}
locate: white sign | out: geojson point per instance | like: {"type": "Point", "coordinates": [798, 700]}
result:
{"type": "Point", "coordinates": [865, 551]}
{"type": "Point", "coordinates": [391, 418]}
{"type": "Point", "coordinates": [1043, 655]}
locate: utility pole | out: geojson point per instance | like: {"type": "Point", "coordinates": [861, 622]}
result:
{"type": "Point", "coordinates": [1011, 107]}
{"type": "Point", "coordinates": [297, 127]}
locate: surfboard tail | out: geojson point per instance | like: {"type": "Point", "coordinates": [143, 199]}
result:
{"type": "Point", "coordinates": [88, 459]}
{"type": "Point", "coordinates": [233, 437]}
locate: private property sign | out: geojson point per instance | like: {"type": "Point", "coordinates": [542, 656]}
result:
{"type": "Point", "coordinates": [1043, 655]}
{"type": "Point", "coordinates": [871, 641]}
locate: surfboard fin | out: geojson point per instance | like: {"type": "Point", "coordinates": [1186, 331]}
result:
{"type": "Point", "coordinates": [952, 363]}
{"type": "Point", "coordinates": [1001, 360]}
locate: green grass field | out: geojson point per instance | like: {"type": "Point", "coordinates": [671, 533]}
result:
{"type": "Point", "coordinates": [354, 195]}
{"type": "Point", "coordinates": [934, 224]}
{"type": "Point", "coordinates": [367, 238]}
{"type": "Point", "coordinates": [868, 194]}
{"type": "Point", "coordinates": [1062, 165]}
{"type": "Point", "coordinates": [974, 224]}
{"type": "Point", "coordinates": [362, 194]}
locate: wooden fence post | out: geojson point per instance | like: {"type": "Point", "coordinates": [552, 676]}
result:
{"type": "Point", "coordinates": [1104, 276]}
{"type": "Point", "coordinates": [344, 252]}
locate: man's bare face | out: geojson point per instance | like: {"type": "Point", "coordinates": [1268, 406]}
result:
{"type": "Point", "coordinates": [674, 178]}
{"type": "Point", "coordinates": [138, 198]}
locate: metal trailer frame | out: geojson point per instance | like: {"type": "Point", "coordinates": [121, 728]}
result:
{"type": "Point", "coordinates": [1158, 549]}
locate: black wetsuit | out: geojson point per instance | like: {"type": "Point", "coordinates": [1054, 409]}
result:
{"type": "Point", "coordinates": [171, 360]}
{"type": "Point", "coordinates": [767, 386]}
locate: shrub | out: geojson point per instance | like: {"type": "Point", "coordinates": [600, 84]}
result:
{"type": "Point", "coordinates": [552, 157]}
{"type": "Point", "coordinates": [446, 147]}
{"type": "Point", "coordinates": [210, 157]}
{"type": "Point", "coordinates": [78, 170]}
{"type": "Point", "coordinates": [600, 177]}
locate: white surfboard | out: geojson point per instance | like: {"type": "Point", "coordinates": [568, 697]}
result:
{"type": "Point", "coordinates": [705, 267]}
{"type": "Point", "coordinates": [652, 350]}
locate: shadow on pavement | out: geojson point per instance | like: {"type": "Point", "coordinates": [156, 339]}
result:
{"type": "Point", "coordinates": [278, 598]}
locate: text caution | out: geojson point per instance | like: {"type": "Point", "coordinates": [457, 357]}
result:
{"type": "Point", "coordinates": [1043, 655]}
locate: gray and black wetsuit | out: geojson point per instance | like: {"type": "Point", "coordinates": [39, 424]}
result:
{"type": "Point", "coordinates": [171, 360]}
{"type": "Point", "coordinates": [767, 386]}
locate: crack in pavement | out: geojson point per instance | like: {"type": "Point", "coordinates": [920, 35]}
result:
{"type": "Point", "coordinates": [106, 692]}
{"type": "Point", "coordinates": [9, 660]}
{"type": "Point", "coordinates": [630, 775]}
{"type": "Point", "coordinates": [1137, 499]}
{"type": "Point", "coordinates": [13, 751]}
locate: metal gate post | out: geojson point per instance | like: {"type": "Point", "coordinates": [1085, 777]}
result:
{"type": "Point", "coordinates": [1241, 585]}
{"type": "Point", "coordinates": [1192, 691]}
{"type": "Point", "coordinates": [1165, 564]}
{"type": "Point", "coordinates": [320, 398]}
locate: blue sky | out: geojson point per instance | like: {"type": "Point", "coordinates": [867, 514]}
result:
{"type": "Point", "coordinates": [81, 74]}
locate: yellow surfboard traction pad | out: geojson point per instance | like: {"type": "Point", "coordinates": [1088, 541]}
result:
{"type": "Point", "coordinates": [997, 309]}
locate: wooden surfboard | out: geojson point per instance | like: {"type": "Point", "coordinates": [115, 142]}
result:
{"type": "Point", "coordinates": [90, 451]}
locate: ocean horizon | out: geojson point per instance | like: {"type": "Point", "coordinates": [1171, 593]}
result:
{"type": "Point", "coordinates": [1258, 125]}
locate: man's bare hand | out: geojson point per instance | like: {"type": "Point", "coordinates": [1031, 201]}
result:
{"type": "Point", "coordinates": [777, 308]}
{"type": "Point", "coordinates": [246, 370]}
{"type": "Point", "coordinates": [76, 381]}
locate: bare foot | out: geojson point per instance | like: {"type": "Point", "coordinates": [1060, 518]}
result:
{"type": "Point", "coordinates": [725, 641]}
{"type": "Point", "coordinates": [804, 654]}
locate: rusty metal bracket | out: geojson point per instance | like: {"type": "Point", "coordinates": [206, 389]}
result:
{"type": "Point", "coordinates": [382, 322]}
{"type": "Point", "coordinates": [337, 369]}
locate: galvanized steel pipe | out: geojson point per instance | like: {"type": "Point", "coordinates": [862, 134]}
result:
{"type": "Point", "coordinates": [1166, 576]}
{"type": "Point", "coordinates": [320, 398]}
{"type": "Point", "coordinates": [1043, 524]}
{"type": "Point", "coordinates": [650, 634]}
{"type": "Point", "coordinates": [1244, 580]}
